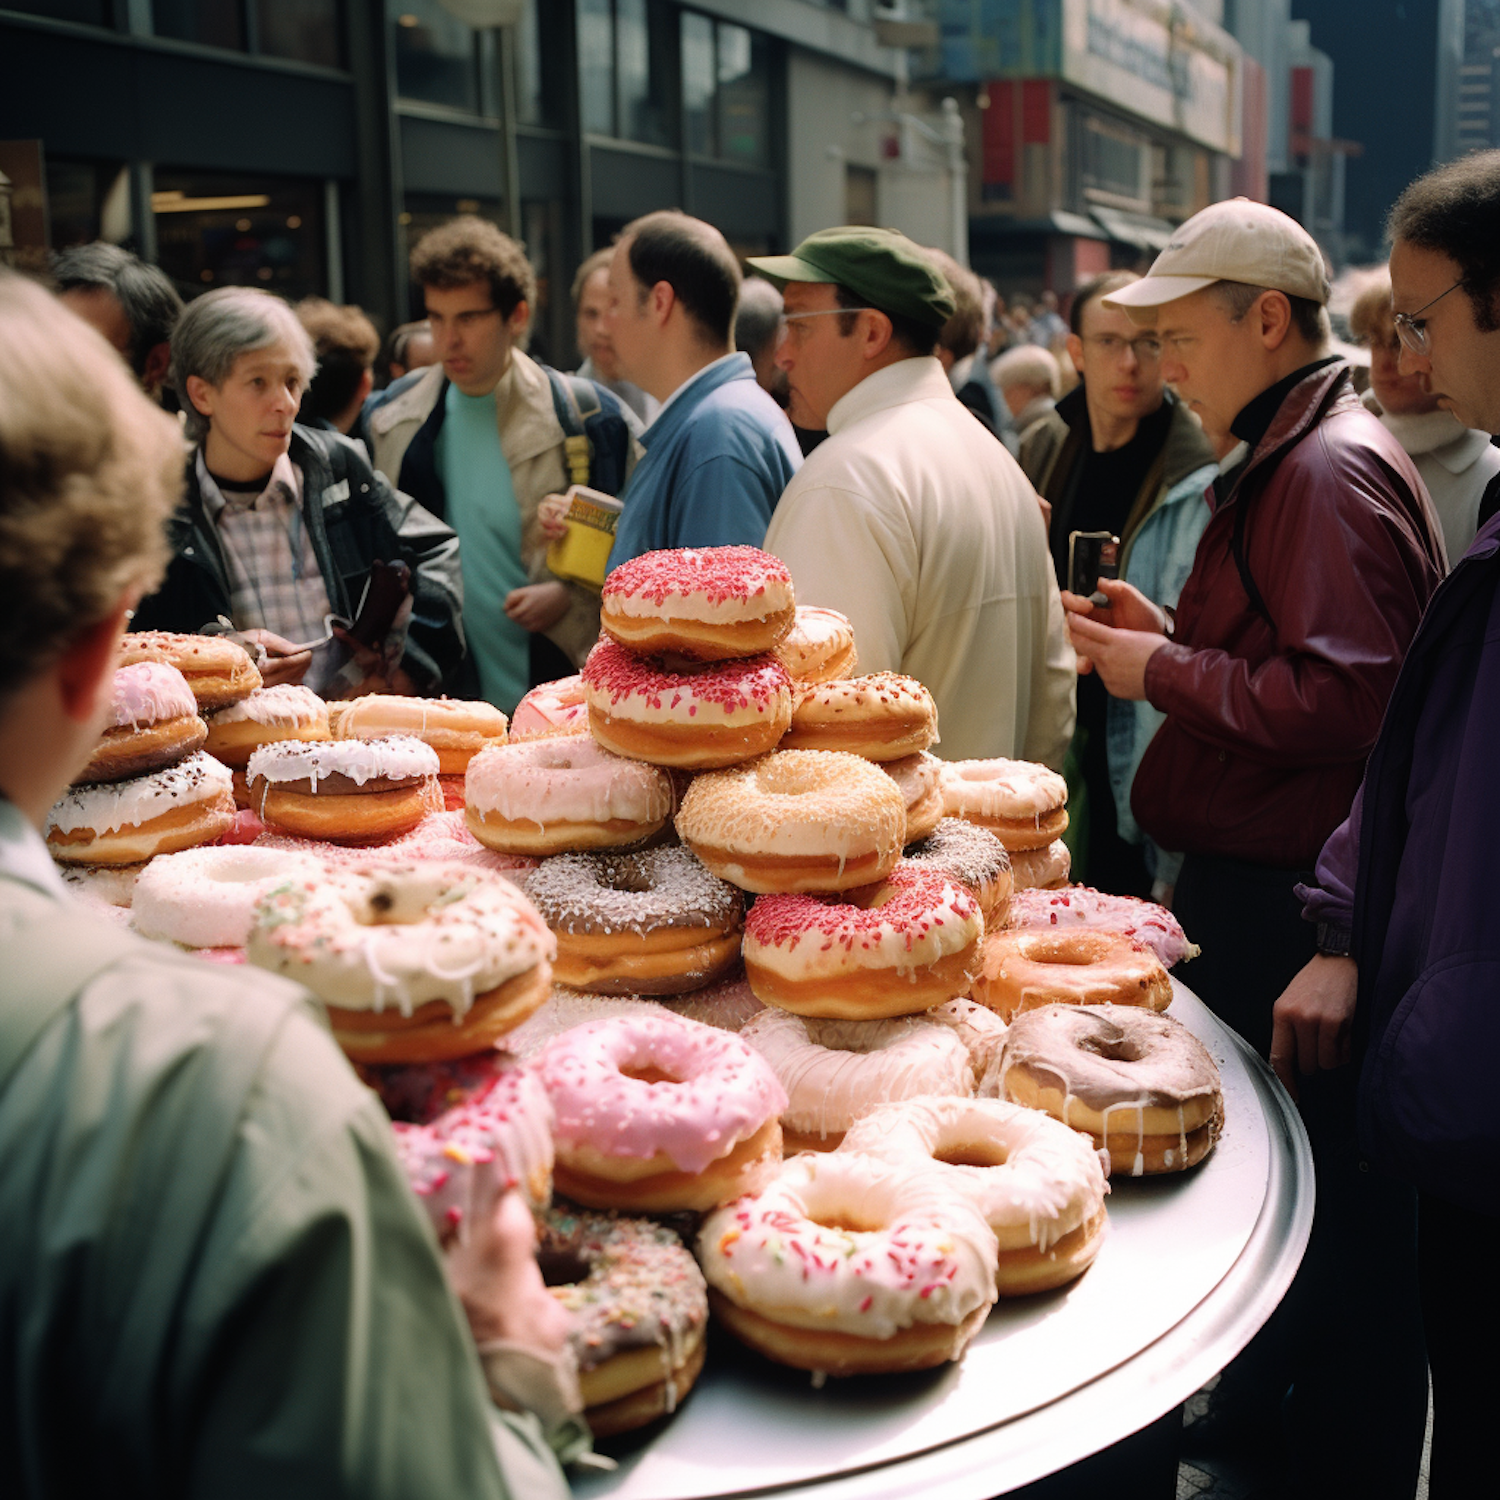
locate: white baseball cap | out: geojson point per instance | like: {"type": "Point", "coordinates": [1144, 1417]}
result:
{"type": "Point", "coordinates": [1237, 240]}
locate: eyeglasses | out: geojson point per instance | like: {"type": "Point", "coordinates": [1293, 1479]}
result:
{"type": "Point", "coordinates": [1147, 349]}
{"type": "Point", "coordinates": [821, 312]}
{"type": "Point", "coordinates": [1411, 328]}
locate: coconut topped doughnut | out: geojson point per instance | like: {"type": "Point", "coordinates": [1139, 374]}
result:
{"type": "Point", "coordinates": [551, 708]}
{"type": "Point", "coordinates": [1082, 906]}
{"type": "Point", "coordinates": [820, 645]}
{"type": "Point", "coordinates": [706, 603]}
{"type": "Point", "coordinates": [147, 692]}
{"type": "Point", "coordinates": [128, 804]}
{"type": "Point", "coordinates": [288, 705]}
{"type": "Point", "coordinates": [218, 670]}
{"type": "Point", "coordinates": [333, 765]}
{"type": "Point", "coordinates": [971, 855]}
{"type": "Point", "coordinates": [611, 893]}
{"type": "Point", "coordinates": [205, 898]}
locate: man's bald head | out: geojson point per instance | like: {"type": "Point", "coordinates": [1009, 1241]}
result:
{"type": "Point", "coordinates": [695, 260]}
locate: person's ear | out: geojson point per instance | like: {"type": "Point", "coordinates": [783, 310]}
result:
{"type": "Point", "coordinates": [878, 333]}
{"type": "Point", "coordinates": [518, 320]}
{"type": "Point", "coordinates": [1075, 350]}
{"type": "Point", "coordinates": [662, 300]}
{"type": "Point", "coordinates": [366, 385]}
{"type": "Point", "coordinates": [86, 668]}
{"type": "Point", "coordinates": [201, 394]}
{"type": "Point", "coordinates": [158, 361]}
{"type": "Point", "coordinates": [1274, 311]}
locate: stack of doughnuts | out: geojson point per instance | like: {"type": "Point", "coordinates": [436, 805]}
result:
{"type": "Point", "coordinates": [457, 729]}
{"type": "Point", "coordinates": [219, 671]}
{"type": "Point", "coordinates": [1023, 804]}
{"type": "Point", "coordinates": [285, 712]}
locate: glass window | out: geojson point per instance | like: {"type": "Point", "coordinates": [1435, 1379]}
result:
{"type": "Point", "coordinates": [541, 65]}
{"type": "Point", "coordinates": [744, 96]}
{"type": "Point", "coordinates": [596, 50]}
{"type": "Point", "coordinates": [643, 79]}
{"type": "Point", "coordinates": [214, 23]}
{"type": "Point", "coordinates": [84, 12]}
{"type": "Point", "coordinates": [435, 55]}
{"type": "Point", "coordinates": [698, 79]}
{"type": "Point", "coordinates": [304, 30]}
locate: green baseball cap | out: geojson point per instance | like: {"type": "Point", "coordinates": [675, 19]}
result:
{"type": "Point", "coordinates": [882, 266]}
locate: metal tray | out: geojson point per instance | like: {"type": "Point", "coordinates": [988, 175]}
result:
{"type": "Point", "coordinates": [1193, 1265]}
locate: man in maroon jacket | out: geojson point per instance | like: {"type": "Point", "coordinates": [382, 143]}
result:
{"type": "Point", "coordinates": [1307, 588]}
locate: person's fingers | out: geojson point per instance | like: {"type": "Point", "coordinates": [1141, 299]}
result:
{"type": "Point", "coordinates": [1284, 1053]}
{"type": "Point", "coordinates": [1085, 666]}
{"type": "Point", "coordinates": [1090, 632]}
{"type": "Point", "coordinates": [1075, 604]}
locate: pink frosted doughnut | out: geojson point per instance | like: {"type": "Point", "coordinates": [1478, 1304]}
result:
{"type": "Point", "coordinates": [440, 835]}
{"type": "Point", "coordinates": [551, 708]}
{"type": "Point", "coordinates": [147, 693]}
{"type": "Point", "coordinates": [498, 1138]}
{"type": "Point", "coordinates": [717, 715]}
{"type": "Point", "coordinates": [1082, 906]}
{"type": "Point", "coordinates": [561, 795]}
{"type": "Point", "coordinates": [153, 723]}
{"type": "Point", "coordinates": [704, 603]}
{"type": "Point", "coordinates": [655, 1113]}
{"type": "Point", "coordinates": [1040, 869]}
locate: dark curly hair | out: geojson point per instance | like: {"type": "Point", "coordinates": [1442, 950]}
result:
{"type": "Point", "coordinates": [1455, 211]}
{"type": "Point", "coordinates": [469, 249]}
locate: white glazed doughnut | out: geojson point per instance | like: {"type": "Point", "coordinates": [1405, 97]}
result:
{"type": "Point", "coordinates": [287, 711]}
{"type": "Point", "coordinates": [819, 647]}
{"type": "Point", "coordinates": [205, 898]}
{"type": "Point", "coordinates": [1041, 869]}
{"type": "Point", "coordinates": [455, 727]}
{"type": "Point", "coordinates": [835, 1072]}
{"type": "Point", "coordinates": [919, 780]}
{"type": "Point", "coordinates": [1022, 803]}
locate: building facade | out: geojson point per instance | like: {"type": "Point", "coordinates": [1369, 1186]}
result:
{"type": "Point", "coordinates": [302, 145]}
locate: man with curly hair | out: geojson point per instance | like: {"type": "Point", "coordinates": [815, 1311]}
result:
{"type": "Point", "coordinates": [479, 439]}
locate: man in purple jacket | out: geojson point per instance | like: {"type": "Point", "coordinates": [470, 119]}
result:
{"type": "Point", "coordinates": [1408, 969]}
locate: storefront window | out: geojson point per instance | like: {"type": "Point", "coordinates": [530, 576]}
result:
{"type": "Point", "coordinates": [699, 76]}
{"type": "Point", "coordinates": [726, 91]}
{"type": "Point", "coordinates": [541, 65]}
{"type": "Point", "coordinates": [627, 66]}
{"type": "Point", "coordinates": [596, 65]}
{"type": "Point", "coordinates": [304, 30]}
{"type": "Point", "coordinates": [436, 59]}
{"type": "Point", "coordinates": [214, 23]}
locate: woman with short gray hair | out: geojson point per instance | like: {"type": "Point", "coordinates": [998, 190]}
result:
{"type": "Point", "coordinates": [282, 525]}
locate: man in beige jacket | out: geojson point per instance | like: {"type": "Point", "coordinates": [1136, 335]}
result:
{"type": "Point", "coordinates": [911, 518]}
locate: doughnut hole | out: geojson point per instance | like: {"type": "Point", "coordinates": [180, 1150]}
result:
{"type": "Point", "coordinates": [967, 1152]}
{"type": "Point", "coordinates": [1070, 950]}
{"type": "Point", "coordinates": [1114, 1049]}
{"type": "Point", "coordinates": [561, 1267]}
{"type": "Point", "coordinates": [650, 1073]}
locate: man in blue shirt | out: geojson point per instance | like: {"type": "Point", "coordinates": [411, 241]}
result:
{"type": "Point", "coordinates": [721, 451]}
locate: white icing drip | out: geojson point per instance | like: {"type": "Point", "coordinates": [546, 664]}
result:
{"type": "Point", "coordinates": [287, 705]}
{"type": "Point", "coordinates": [568, 779]}
{"type": "Point", "coordinates": [128, 804]}
{"type": "Point", "coordinates": [397, 756]}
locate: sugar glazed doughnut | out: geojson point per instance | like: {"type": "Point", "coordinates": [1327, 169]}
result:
{"type": "Point", "coordinates": [1041, 869]}
{"type": "Point", "coordinates": [848, 1264]}
{"type": "Point", "coordinates": [1038, 1184]}
{"type": "Point", "coordinates": [205, 898]}
{"type": "Point", "coordinates": [153, 723]}
{"type": "Point", "coordinates": [1082, 906]}
{"type": "Point", "coordinates": [796, 820]}
{"type": "Point", "coordinates": [415, 963]}
{"type": "Point", "coordinates": [836, 1072]}
{"type": "Point", "coordinates": [460, 1163]}
{"type": "Point", "coordinates": [344, 791]}
{"type": "Point", "coordinates": [904, 945]}
{"type": "Point", "coordinates": [919, 780]}
{"type": "Point", "coordinates": [558, 795]}
{"type": "Point", "coordinates": [219, 671]}
{"type": "Point", "coordinates": [971, 856]}
{"type": "Point", "coordinates": [882, 717]}
{"type": "Point", "coordinates": [1140, 1084]}
{"type": "Point", "coordinates": [697, 718]}
{"type": "Point", "coordinates": [640, 1314]}
{"type": "Point", "coordinates": [819, 647]}
{"type": "Point", "coordinates": [551, 708]}
{"type": "Point", "coordinates": [651, 923]}
{"type": "Point", "coordinates": [286, 712]}
{"type": "Point", "coordinates": [456, 728]}
{"type": "Point", "coordinates": [655, 1113]}
{"type": "Point", "coordinates": [126, 822]}
{"type": "Point", "coordinates": [1084, 966]}
{"type": "Point", "coordinates": [704, 603]}
{"type": "Point", "coordinates": [1021, 803]}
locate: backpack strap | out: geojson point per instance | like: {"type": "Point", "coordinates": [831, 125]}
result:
{"type": "Point", "coordinates": [569, 394]}
{"type": "Point", "coordinates": [47, 962]}
{"type": "Point", "coordinates": [1242, 563]}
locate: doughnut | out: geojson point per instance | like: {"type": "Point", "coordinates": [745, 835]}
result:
{"type": "Point", "coordinates": [973, 857]}
{"type": "Point", "coordinates": [919, 779]}
{"type": "Point", "coordinates": [655, 1114]}
{"type": "Point", "coordinates": [728, 1003]}
{"type": "Point", "coordinates": [1082, 906]}
{"type": "Point", "coordinates": [552, 796]}
{"type": "Point", "coordinates": [836, 1072]}
{"type": "Point", "coordinates": [640, 1313]}
{"type": "Point", "coordinates": [498, 1138]}
{"type": "Point", "coordinates": [698, 718]}
{"type": "Point", "coordinates": [417, 1093]}
{"type": "Point", "coordinates": [651, 923]}
{"type": "Point", "coordinates": [415, 962]}
{"type": "Point", "coordinates": [704, 603]}
{"type": "Point", "coordinates": [111, 886]}
{"type": "Point", "coordinates": [456, 728]}
{"type": "Point", "coordinates": [882, 717]}
{"type": "Point", "coordinates": [285, 712]}
{"type": "Point", "coordinates": [565, 1009]}
{"type": "Point", "coordinates": [795, 820]}
{"type": "Point", "coordinates": [981, 1031]}
{"type": "Point", "coordinates": [440, 835]}
{"type": "Point", "coordinates": [1038, 1184]}
{"type": "Point", "coordinates": [205, 898]}
{"type": "Point", "coordinates": [343, 791]}
{"type": "Point", "coordinates": [1081, 966]}
{"type": "Point", "coordinates": [153, 723]}
{"type": "Point", "coordinates": [819, 647]}
{"type": "Point", "coordinates": [551, 708]}
{"type": "Point", "coordinates": [848, 1264]}
{"type": "Point", "coordinates": [1041, 869]}
{"type": "Point", "coordinates": [1141, 1084]}
{"type": "Point", "coordinates": [1021, 803]}
{"type": "Point", "coordinates": [218, 670]}
{"type": "Point", "coordinates": [903, 945]}
{"type": "Point", "coordinates": [126, 822]}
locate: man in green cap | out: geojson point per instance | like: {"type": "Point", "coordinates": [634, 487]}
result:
{"type": "Point", "coordinates": [911, 519]}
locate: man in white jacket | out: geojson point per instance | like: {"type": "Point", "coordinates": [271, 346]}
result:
{"type": "Point", "coordinates": [912, 519]}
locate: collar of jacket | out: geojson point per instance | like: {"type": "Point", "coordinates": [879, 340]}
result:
{"type": "Point", "coordinates": [921, 378]}
{"type": "Point", "coordinates": [692, 393]}
{"type": "Point", "coordinates": [524, 414]}
{"type": "Point", "coordinates": [1305, 405]}
{"type": "Point", "coordinates": [1439, 433]}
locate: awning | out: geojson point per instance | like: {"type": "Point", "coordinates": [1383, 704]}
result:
{"type": "Point", "coordinates": [1140, 230]}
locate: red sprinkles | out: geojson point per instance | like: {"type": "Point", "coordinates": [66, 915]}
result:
{"type": "Point", "coordinates": [717, 573]}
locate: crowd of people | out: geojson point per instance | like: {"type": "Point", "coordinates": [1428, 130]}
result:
{"type": "Point", "coordinates": [1269, 694]}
